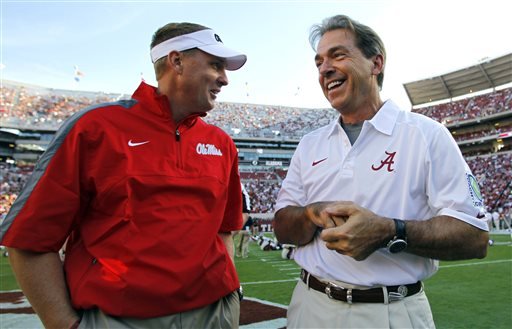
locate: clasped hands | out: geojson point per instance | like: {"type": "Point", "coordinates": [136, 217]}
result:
{"type": "Point", "coordinates": [350, 229]}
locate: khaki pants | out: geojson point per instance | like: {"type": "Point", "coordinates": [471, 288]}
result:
{"type": "Point", "coordinates": [243, 247]}
{"type": "Point", "coordinates": [224, 313]}
{"type": "Point", "coordinates": [312, 309]}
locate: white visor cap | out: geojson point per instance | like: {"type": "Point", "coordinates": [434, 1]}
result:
{"type": "Point", "coordinates": [206, 40]}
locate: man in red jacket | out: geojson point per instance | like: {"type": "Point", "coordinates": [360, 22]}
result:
{"type": "Point", "coordinates": [125, 183]}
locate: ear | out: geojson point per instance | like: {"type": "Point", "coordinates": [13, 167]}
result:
{"type": "Point", "coordinates": [175, 61]}
{"type": "Point", "coordinates": [378, 64]}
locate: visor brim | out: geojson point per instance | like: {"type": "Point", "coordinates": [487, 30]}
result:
{"type": "Point", "coordinates": [234, 59]}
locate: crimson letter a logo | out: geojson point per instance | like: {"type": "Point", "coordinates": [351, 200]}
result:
{"type": "Point", "coordinates": [388, 161]}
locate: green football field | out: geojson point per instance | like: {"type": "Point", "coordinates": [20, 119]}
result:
{"type": "Point", "coordinates": [463, 294]}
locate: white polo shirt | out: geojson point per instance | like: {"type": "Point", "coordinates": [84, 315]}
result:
{"type": "Point", "coordinates": [403, 165]}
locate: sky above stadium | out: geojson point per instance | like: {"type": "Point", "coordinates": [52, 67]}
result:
{"type": "Point", "coordinates": [43, 41]}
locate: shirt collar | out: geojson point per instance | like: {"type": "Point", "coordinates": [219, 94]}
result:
{"type": "Point", "coordinates": [334, 126]}
{"type": "Point", "coordinates": [149, 95]}
{"type": "Point", "coordinates": [384, 120]}
{"type": "Point", "coordinates": [160, 104]}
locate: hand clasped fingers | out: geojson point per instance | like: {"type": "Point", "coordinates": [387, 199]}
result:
{"type": "Point", "coordinates": [332, 235]}
{"type": "Point", "coordinates": [340, 247]}
{"type": "Point", "coordinates": [346, 249]}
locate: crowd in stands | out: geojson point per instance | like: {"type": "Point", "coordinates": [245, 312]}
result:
{"type": "Point", "coordinates": [25, 107]}
{"type": "Point", "coordinates": [262, 187]}
{"type": "Point", "coordinates": [21, 106]}
{"type": "Point", "coordinates": [45, 110]}
{"type": "Point", "coordinates": [494, 174]}
{"type": "Point", "coordinates": [484, 131]}
{"type": "Point", "coordinates": [250, 120]}
{"type": "Point", "coordinates": [12, 180]}
{"type": "Point", "coordinates": [470, 108]}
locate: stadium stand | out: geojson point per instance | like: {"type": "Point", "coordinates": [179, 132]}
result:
{"type": "Point", "coordinates": [470, 108]}
{"type": "Point", "coordinates": [266, 136]}
{"type": "Point", "coordinates": [475, 104]}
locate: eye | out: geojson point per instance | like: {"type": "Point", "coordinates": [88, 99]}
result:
{"type": "Point", "coordinates": [339, 55]}
{"type": "Point", "coordinates": [318, 64]}
{"type": "Point", "coordinates": [218, 66]}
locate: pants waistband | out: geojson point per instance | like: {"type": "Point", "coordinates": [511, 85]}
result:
{"type": "Point", "coordinates": [373, 295]}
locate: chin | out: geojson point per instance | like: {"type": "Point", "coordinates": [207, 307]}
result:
{"type": "Point", "coordinates": [208, 107]}
{"type": "Point", "coordinates": [335, 104]}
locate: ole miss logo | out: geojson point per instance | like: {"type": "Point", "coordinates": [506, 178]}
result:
{"type": "Point", "coordinates": [388, 161]}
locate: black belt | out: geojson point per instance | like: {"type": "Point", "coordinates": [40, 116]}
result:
{"type": "Point", "coordinates": [374, 295]}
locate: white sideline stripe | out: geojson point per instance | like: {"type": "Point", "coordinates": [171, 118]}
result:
{"type": "Point", "coordinates": [478, 263]}
{"type": "Point", "coordinates": [502, 243]}
{"type": "Point", "coordinates": [288, 269]}
{"type": "Point", "coordinates": [296, 274]}
{"type": "Point", "coordinates": [265, 282]}
{"type": "Point", "coordinates": [270, 324]}
{"type": "Point", "coordinates": [276, 323]}
{"type": "Point", "coordinates": [22, 302]}
{"type": "Point", "coordinates": [21, 321]}
{"type": "Point", "coordinates": [284, 265]}
{"type": "Point", "coordinates": [245, 260]}
{"type": "Point", "coordinates": [440, 267]}
{"type": "Point", "coordinates": [266, 302]}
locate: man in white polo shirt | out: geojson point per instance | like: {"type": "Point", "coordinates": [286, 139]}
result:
{"type": "Point", "coordinates": [373, 199]}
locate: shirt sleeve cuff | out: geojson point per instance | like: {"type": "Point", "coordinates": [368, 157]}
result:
{"type": "Point", "coordinates": [476, 222]}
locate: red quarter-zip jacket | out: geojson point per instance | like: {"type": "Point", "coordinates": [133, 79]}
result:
{"type": "Point", "coordinates": [142, 200]}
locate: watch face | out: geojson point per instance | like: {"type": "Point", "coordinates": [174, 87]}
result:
{"type": "Point", "coordinates": [397, 246]}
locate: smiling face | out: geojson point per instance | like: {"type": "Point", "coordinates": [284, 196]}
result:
{"type": "Point", "coordinates": [202, 78]}
{"type": "Point", "coordinates": [348, 79]}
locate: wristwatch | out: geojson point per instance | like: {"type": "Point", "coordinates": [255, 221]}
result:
{"type": "Point", "coordinates": [399, 241]}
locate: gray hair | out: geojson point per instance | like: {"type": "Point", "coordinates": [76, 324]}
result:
{"type": "Point", "coordinates": [367, 39]}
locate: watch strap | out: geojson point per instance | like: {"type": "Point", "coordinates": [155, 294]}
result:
{"type": "Point", "coordinates": [400, 232]}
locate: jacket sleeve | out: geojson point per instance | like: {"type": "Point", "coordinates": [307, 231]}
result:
{"type": "Point", "coordinates": [233, 212]}
{"type": "Point", "coordinates": [42, 216]}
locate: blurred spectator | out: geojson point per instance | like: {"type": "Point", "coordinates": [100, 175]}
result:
{"type": "Point", "coordinates": [470, 108]}
{"type": "Point", "coordinates": [12, 179]}
{"type": "Point", "coordinates": [494, 174]}
{"type": "Point", "coordinates": [45, 108]}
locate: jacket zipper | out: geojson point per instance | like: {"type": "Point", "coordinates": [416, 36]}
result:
{"type": "Point", "coordinates": [177, 136]}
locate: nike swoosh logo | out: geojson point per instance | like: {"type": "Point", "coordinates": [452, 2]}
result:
{"type": "Point", "coordinates": [130, 143]}
{"type": "Point", "coordinates": [317, 162]}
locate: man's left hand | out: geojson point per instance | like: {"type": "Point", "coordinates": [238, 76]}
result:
{"type": "Point", "coordinates": [358, 232]}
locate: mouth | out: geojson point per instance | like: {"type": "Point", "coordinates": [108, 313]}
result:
{"type": "Point", "coordinates": [335, 84]}
{"type": "Point", "coordinates": [214, 93]}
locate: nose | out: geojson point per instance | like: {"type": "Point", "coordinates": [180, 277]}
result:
{"type": "Point", "coordinates": [325, 69]}
{"type": "Point", "coordinates": [222, 80]}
